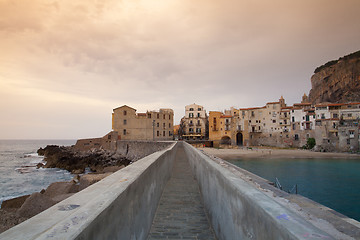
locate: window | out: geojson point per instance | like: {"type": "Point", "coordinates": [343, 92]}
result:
{"type": "Point", "coordinates": [199, 109]}
{"type": "Point", "coordinates": [323, 116]}
{"type": "Point", "coordinates": [164, 116]}
{"type": "Point", "coordinates": [125, 112]}
{"type": "Point", "coordinates": [198, 114]}
{"type": "Point", "coordinates": [198, 130]}
{"type": "Point", "coordinates": [351, 133]}
{"type": "Point", "coordinates": [149, 115]}
{"type": "Point", "coordinates": [335, 115]}
{"type": "Point", "coordinates": [274, 121]}
{"type": "Point", "coordinates": [191, 130]}
{"type": "Point", "coordinates": [124, 131]}
{"type": "Point", "coordinates": [198, 123]}
{"type": "Point", "coordinates": [157, 124]}
{"type": "Point", "coordinates": [157, 133]}
{"type": "Point", "coordinates": [163, 125]}
{"type": "Point", "coordinates": [170, 134]}
{"type": "Point", "coordinates": [157, 115]}
{"type": "Point", "coordinates": [348, 141]}
{"type": "Point", "coordinates": [191, 115]}
{"type": "Point", "coordinates": [169, 125]}
{"type": "Point", "coordinates": [164, 133]}
{"type": "Point", "coordinates": [349, 115]}
{"type": "Point", "coordinates": [293, 119]}
{"type": "Point", "coordinates": [296, 137]}
{"type": "Point", "coordinates": [191, 109]}
{"type": "Point", "coordinates": [169, 117]}
{"type": "Point", "coordinates": [125, 121]}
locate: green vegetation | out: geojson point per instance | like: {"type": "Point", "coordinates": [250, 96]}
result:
{"type": "Point", "coordinates": [310, 144]}
{"type": "Point", "coordinates": [333, 62]}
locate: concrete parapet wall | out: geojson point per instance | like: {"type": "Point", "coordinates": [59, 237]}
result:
{"type": "Point", "coordinates": [139, 149]}
{"type": "Point", "coordinates": [237, 210]}
{"type": "Point", "coordinates": [121, 206]}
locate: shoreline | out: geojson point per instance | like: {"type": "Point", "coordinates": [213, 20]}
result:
{"type": "Point", "coordinates": [251, 153]}
{"type": "Point", "coordinates": [321, 216]}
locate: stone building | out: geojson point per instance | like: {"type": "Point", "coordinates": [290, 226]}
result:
{"type": "Point", "coordinates": [152, 125]}
{"type": "Point", "coordinates": [220, 128]}
{"type": "Point", "coordinates": [194, 123]}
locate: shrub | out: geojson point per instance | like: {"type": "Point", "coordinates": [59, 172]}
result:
{"type": "Point", "coordinates": [310, 144]}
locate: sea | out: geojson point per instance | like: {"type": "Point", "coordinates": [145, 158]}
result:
{"type": "Point", "coordinates": [334, 183]}
{"type": "Point", "coordinates": [18, 173]}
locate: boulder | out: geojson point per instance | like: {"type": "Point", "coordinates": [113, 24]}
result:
{"type": "Point", "coordinates": [90, 179]}
{"type": "Point", "coordinates": [14, 202]}
{"type": "Point", "coordinates": [39, 165]}
{"type": "Point", "coordinates": [112, 169]}
{"type": "Point", "coordinates": [35, 204]}
{"type": "Point", "coordinates": [59, 188]}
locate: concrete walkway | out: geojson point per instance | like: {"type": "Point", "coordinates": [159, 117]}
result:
{"type": "Point", "coordinates": [180, 214]}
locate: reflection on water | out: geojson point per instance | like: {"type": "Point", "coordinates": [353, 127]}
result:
{"type": "Point", "coordinates": [334, 183]}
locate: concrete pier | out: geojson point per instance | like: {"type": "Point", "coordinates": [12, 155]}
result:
{"type": "Point", "coordinates": [181, 213]}
{"type": "Point", "coordinates": [158, 197]}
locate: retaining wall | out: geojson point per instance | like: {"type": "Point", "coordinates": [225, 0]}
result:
{"type": "Point", "coordinates": [237, 210]}
{"type": "Point", "coordinates": [121, 206]}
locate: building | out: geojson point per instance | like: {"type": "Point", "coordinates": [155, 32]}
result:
{"type": "Point", "coordinates": [220, 128]}
{"type": "Point", "coordinates": [152, 125]}
{"type": "Point", "coordinates": [194, 123]}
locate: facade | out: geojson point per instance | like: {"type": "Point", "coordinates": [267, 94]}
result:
{"type": "Point", "coordinates": [220, 128]}
{"type": "Point", "coordinates": [194, 123]}
{"type": "Point", "coordinates": [152, 125]}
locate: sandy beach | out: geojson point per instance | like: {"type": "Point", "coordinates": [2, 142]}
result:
{"type": "Point", "coordinates": [236, 153]}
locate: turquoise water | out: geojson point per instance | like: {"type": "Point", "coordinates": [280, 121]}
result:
{"type": "Point", "coordinates": [334, 183]}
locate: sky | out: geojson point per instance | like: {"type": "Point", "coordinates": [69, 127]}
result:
{"type": "Point", "coordinates": [65, 65]}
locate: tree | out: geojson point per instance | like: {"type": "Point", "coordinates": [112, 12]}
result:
{"type": "Point", "coordinates": [310, 144]}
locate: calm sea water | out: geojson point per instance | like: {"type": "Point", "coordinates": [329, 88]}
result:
{"type": "Point", "coordinates": [334, 183]}
{"type": "Point", "coordinates": [18, 173]}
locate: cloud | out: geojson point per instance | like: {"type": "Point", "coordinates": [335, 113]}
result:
{"type": "Point", "coordinates": [153, 54]}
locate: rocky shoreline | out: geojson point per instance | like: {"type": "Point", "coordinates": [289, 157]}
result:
{"type": "Point", "coordinates": [101, 163]}
{"type": "Point", "coordinates": [77, 161]}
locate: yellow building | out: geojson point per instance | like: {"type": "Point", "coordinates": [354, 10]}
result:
{"type": "Point", "coordinates": [152, 125]}
{"type": "Point", "coordinates": [220, 128]}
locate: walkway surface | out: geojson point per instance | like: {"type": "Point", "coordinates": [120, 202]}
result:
{"type": "Point", "coordinates": [181, 214]}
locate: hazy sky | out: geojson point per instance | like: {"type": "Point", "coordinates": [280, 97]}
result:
{"type": "Point", "coordinates": [64, 65]}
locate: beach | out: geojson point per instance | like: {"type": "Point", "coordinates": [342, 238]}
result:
{"type": "Point", "coordinates": [237, 153]}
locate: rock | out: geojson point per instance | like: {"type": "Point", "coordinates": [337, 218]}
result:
{"type": "Point", "coordinates": [78, 171]}
{"type": "Point", "coordinates": [35, 204]}
{"type": "Point", "coordinates": [90, 179]}
{"type": "Point", "coordinates": [76, 161]}
{"type": "Point", "coordinates": [59, 188]}
{"type": "Point", "coordinates": [61, 197]}
{"type": "Point", "coordinates": [112, 168]}
{"type": "Point", "coordinates": [337, 81]}
{"type": "Point", "coordinates": [76, 179]}
{"type": "Point", "coordinates": [14, 202]}
{"type": "Point", "coordinates": [41, 152]}
{"type": "Point", "coordinates": [39, 165]}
